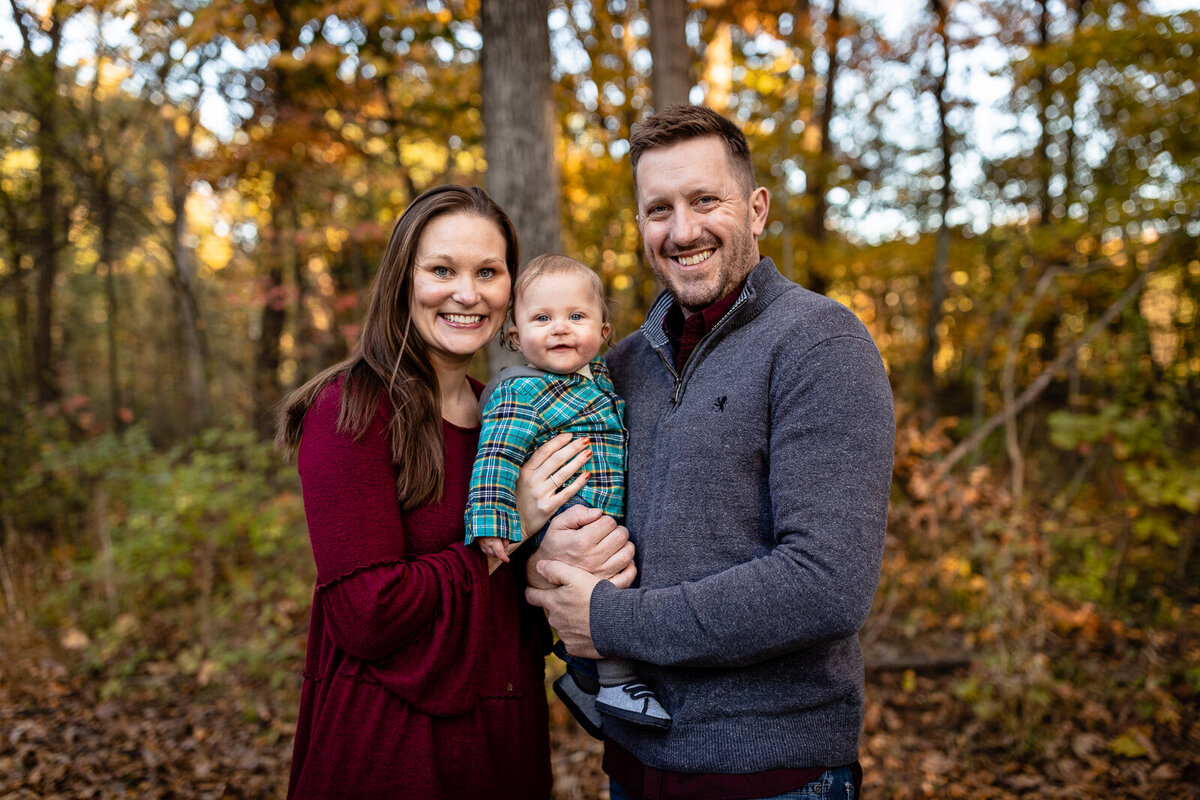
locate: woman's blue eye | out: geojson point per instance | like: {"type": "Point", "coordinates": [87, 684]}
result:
{"type": "Point", "coordinates": [441, 272]}
{"type": "Point", "coordinates": [487, 272]}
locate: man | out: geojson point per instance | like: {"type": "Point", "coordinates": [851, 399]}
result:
{"type": "Point", "coordinates": [761, 434]}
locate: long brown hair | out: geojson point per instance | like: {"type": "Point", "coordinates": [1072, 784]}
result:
{"type": "Point", "coordinates": [390, 356]}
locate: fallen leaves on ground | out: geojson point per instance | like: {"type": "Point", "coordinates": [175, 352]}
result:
{"type": "Point", "coordinates": [1117, 731]}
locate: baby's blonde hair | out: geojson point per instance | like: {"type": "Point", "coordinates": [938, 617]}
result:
{"type": "Point", "coordinates": [552, 264]}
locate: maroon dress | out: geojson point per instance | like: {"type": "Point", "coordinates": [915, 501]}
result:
{"type": "Point", "coordinates": [424, 676]}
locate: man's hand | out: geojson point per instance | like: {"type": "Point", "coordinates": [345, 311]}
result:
{"type": "Point", "coordinates": [568, 605]}
{"type": "Point", "coordinates": [585, 538]}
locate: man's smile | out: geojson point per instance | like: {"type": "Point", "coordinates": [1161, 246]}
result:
{"type": "Point", "coordinates": [693, 260]}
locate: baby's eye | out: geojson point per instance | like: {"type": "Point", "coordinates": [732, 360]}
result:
{"type": "Point", "coordinates": [576, 317]}
{"type": "Point", "coordinates": [541, 318]}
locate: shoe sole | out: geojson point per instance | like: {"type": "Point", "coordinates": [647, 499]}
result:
{"type": "Point", "coordinates": [634, 717]}
{"type": "Point", "coordinates": [577, 713]}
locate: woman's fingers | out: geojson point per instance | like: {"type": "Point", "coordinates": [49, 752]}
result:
{"type": "Point", "coordinates": [538, 458]}
{"type": "Point", "coordinates": [564, 472]}
{"type": "Point", "coordinates": [566, 461]}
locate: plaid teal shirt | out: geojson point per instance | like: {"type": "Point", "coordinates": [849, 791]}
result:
{"type": "Point", "coordinates": [524, 412]}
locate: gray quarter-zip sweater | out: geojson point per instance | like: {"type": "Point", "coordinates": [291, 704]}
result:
{"type": "Point", "coordinates": [757, 497]}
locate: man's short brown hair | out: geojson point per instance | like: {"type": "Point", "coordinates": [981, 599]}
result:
{"type": "Point", "coordinates": [686, 122]}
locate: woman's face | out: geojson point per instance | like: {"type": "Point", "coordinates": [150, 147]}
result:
{"type": "Point", "coordinates": [460, 285]}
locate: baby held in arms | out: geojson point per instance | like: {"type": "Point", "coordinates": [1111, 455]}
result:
{"type": "Point", "coordinates": [559, 322]}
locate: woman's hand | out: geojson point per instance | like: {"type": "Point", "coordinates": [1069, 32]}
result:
{"type": "Point", "coordinates": [538, 495]}
{"type": "Point", "coordinates": [588, 539]}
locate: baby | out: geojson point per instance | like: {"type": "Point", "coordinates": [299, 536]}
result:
{"type": "Point", "coordinates": [559, 322]}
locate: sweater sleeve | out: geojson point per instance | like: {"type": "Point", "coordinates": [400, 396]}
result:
{"type": "Point", "coordinates": [829, 471]}
{"type": "Point", "coordinates": [510, 425]}
{"type": "Point", "coordinates": [413, 619]}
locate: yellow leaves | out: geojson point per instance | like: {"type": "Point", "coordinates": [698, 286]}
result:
{"type": "Point", "coordinates": [74, 639]}
{"type": "Point", "coordinates": [1134, 743]}
{"type": "Point", "coordinates": [214, 252]}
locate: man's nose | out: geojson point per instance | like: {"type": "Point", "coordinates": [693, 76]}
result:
{"type": "Point", "coordinates": [685, 225]}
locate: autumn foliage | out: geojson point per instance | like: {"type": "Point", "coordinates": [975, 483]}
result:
{"type": "Point", "coordinates": [194, 198]}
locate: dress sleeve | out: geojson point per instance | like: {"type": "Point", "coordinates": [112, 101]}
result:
{"type": "Point", "coordinates": [413, 620]}
{"type": "Point", "coordinates": [510, 425]}
{"type": "Point", "coordinates": [831, 443]}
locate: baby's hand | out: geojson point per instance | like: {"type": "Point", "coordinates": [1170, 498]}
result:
{"type": "Point", "coordinates": [494, 546]}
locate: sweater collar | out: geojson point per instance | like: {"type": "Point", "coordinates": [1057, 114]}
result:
{"type": "Point", "coordinates": [762, 285]}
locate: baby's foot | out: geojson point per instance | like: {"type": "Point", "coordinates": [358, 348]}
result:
{"type": "Point", "coordinates": [633, 702]}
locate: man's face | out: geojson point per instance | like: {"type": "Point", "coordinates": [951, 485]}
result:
{"type": "Point", "coordinates": [699, 227]}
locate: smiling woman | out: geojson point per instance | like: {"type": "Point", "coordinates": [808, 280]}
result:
{"type": "Point", "coordinates": [398, 691]}
{"type": "Point", "coordinates": [461, 285]}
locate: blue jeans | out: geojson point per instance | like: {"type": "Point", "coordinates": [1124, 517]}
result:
{"type": "Point", "coordinates": [834, 784]}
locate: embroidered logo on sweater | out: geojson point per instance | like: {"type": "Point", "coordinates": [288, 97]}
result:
{"type": "Point", "coordinates": [719, 403]}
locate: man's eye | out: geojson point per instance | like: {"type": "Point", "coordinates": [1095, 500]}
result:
{"type": "Point", "coordinates": [707, 201]}
{"type": "Point", "coordinates": [659, 212]}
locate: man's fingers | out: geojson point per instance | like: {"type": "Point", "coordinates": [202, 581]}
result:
{"type": "Point", "coordinates": [558, 573]}
{"type": "Point", "coordinates": [624, 578]}
{"type": "Point", "coordinates": [577, 516]}
{"type": "Point", "coordinates": [618, 562]}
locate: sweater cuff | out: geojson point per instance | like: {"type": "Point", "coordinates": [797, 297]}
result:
{"type": "Point", "coordinates": [611, 620]}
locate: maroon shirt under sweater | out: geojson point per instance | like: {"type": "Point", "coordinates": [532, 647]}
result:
{"type": "Point", "coordinates": [423, 676]}
{"type": "Point", "coordinates": [686, 333]}
{"type": "Point", "coordinates": [648, 783]}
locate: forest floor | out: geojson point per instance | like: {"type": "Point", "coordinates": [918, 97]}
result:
{"type": "Point", "coordinates": [69, 730]}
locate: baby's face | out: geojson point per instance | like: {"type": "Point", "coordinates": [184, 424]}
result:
{"type": "Point", "coordinates": [560, 322]}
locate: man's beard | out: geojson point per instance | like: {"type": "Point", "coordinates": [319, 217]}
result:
{"type": "Point", "coordinates": [736, 258]}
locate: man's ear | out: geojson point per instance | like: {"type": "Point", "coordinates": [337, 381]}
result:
{"type": "Point", "coordinates": [760, 204]}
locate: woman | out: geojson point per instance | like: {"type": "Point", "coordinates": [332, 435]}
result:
{"type": "Point", "coordinates": [423, 676]}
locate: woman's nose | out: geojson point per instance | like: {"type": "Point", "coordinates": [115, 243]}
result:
{"type": "Point", "coordinates": [466, 292]}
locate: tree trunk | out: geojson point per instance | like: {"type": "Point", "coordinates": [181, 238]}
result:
{"type": "Point", "coordinates": [281, 252]}
{"type": "Point", "coordinates": [518, 121]}
{"type": "Point", "coordinates": [192, 338]}
{"type": "Point", "coordinates": [1045, 98]}
{"type": "Point", "coordinates": [937, 276]}
{"type": "Point", "coordinates": [818, 173]}
{"type": "Point", "coordinates": [47, 243]}
{"type": "Point", "coordinates": [669, 81]}
{"type": "Point", "coordinates": [274, 313]}
{"type": "Point", "coordinates": [107, 248]}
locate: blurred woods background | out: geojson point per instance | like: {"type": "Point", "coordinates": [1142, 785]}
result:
{"type": "Point", "coordinates": [195, 195]}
